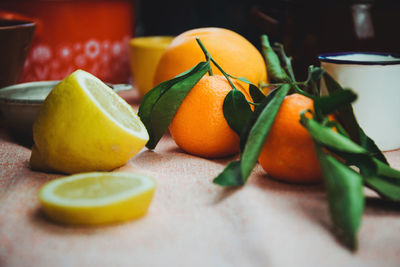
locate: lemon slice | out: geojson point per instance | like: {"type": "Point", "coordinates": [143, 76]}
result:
{"type": "Point", "coordinates": [83, 125]}
{"type": "Point", "coordinates": [97, 197]}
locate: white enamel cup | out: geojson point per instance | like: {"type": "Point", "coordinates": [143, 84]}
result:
{"type": "Point", "coordinates": [375, 78]}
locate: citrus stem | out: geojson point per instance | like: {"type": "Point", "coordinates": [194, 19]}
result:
{"type": "Point", "coordinates": [280, 84]}
{"type": "Point", "coordinates": [224, 73]}
{"type": "Point", "coordinates": [288, 62]}
{"type": "Point", "coordinates": [206, 53]}
{"type": "Point", "coordinates": [252, 103]}
{"type": "Point", "coordinates": [209, 57]}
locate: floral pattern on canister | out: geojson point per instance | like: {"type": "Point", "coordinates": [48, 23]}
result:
{"type": "Point", "coordinates": [105, 59]}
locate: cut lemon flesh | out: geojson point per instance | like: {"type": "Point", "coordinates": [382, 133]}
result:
{"type": "Point", "coordinates": [110, 103]}
{"type": "Point", "coordinates": [97, 197]}
{"type": "Point", "coordinates": [84, 126]}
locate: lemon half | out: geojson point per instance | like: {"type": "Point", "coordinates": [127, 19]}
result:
{"type": "Point", "coordinates": [83, 125]}
{"type": "Point", "coordinates": [97, 197]}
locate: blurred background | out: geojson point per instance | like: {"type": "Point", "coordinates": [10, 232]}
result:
{"type": "Point", "coordinates": [305, 27]}
{"type": "Point", "coordinates": [94, 33]}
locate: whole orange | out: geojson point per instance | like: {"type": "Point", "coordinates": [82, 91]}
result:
{"type": "Point", "coordinates": [236, 55]}
{"type": "Point", "coordinates": [199, 126]}
{"type": "Point", "coordinates": [288, 153]}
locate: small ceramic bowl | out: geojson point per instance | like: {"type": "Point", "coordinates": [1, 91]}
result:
{"type": "Point", "coordinates": [19, 105]}
{"type": "Point", "coordinates": [15, 36]}
{"type": "Point", "coordinates": [375, 78]}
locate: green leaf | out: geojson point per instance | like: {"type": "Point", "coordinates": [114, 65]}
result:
{"type": "Point", "coordinates": [314, 77]}
{"type": "Point", "coordinates": [160, 105]}
{"type": "Point", "coordinates": [236, 110]}
{"type": "Point", "coordinates": [385, 188]}
{"type": "Point", "coordinates": [315, 74]}
{"type": "Point", "coordinates": [335, 124]}
{"type": "Point", "coordinates": [326, 136]}
{"type": "Point", "coordinates": [386, 171]}
{"type": "Point", "coordinates": [256, 94]}
{"type": "Point", "coordinates": [287, 61]}
{"type": "Point", "coordinates": [377, 175]}
{"type": "Point", "coordinates": [298, 90]}
{"type": "Point", "coordinates": [346, 117]}
{"type": "Point", "coordinates": [256, 139]}
{"type": "Point", "coordinates": [371, 166]}
{"type": "Point", "coordinates": [275, 71]}
{"type": "Point", "coordinates": [260, 130]}
{"type": "Point", "coordinates": [254, 116]}
{"type": "Point", "coordinates": [230, 176]}
{"type": "Point", "coordinates": [331, 84]}
{"type": "Point", "coordinates": [370, 145]}
{"type": "Point", "coordinates": [152, 96]}
{"type": "Point", "coordinates": [242, 79]}
{"type": "Point", "coordinates": [345, 196]}
{"type": "Point", "coordinates": [325, 105]}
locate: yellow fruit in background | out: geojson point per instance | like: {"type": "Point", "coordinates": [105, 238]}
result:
{"type": "Point", "coordinates": [83, 125]}
{"type": "Point", "coordinates": [236, 55]}
{"type": "Point", "coordinates": [97, 197]}
{"type": "Point", "coordinates": [145, 52]}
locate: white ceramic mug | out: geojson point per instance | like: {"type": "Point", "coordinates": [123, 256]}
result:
{"type": "Point", "coordinates": [375, 78]}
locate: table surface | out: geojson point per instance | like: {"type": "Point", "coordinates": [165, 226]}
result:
{"type": "Point", "coordinates": [191, 221]}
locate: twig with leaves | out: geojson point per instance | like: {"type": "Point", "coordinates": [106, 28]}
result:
{"type": "Point", "coordinates": [338, 151]}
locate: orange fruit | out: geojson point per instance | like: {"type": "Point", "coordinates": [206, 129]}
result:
{"type": "Point", "coordinates": [199, 126]}
{"type": "Point", "coordinates": [288, 153]}
{"type": "Point", "coordinates": [231, 51]}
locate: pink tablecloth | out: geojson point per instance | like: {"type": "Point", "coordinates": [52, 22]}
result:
{"type": "Point", "coordinates": [191, 221]}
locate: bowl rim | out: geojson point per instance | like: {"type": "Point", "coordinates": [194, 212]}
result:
{"type": "Point", "coordinates": [20, 86]}
{"type": "Point", "coordinates": [330, 58]}
{"type": "Point", "coordinates": [48, 85]}
{"type": "Point", "coordinates": [21, 24]}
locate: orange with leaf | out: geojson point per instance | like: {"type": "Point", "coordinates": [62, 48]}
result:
{"type": "Point", "coordinates": [199, 126]}
{"type": "Point", "coordinates": [191, 104]}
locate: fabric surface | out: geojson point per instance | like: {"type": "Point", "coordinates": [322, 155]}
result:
{"type": "Point", "coordinates": [191, 221]}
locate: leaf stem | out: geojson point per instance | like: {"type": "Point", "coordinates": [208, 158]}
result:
{"type": "Point", "coordinates": [280, 84]}
{"type": "Point", "coordinates": [254, 104]}
{"type": "Point", "coordinates": [206, 53]}
{"type": "Point", "coordinates": [224, 73]}
{"type": "Point", "coordinates": [287, 60]}
{"type": "Point", "coordinates": [209, 57]}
